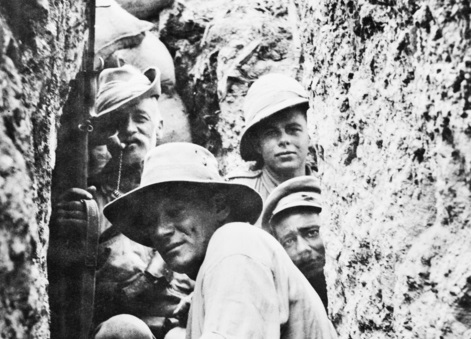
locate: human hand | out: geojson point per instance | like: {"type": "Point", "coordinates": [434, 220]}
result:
{"type": "Point", "coordinates": [115, 146]}
{"type": "Point", "coordinates": [181, 312]}
{"type": "Point", "coordinates": [70, 214]}
{"type": "Point", "coordinates": [68, 227]}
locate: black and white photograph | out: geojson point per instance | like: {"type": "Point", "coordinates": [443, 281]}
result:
{"type": "Point", "coordinates": [235, 169]}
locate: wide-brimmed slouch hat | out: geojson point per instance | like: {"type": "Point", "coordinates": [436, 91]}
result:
{"type": "Point", "coordinates": [267, 96]}
{"type": "Point", "coordinates": [303, 191]}
{"type": "Point", "coordinates": [179, 163]}
{"type": "Point", "coordinates": [121, 85]}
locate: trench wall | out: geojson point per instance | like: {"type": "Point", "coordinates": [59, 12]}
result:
{"type": "Point", "coordinates": [390, 103]}
{"type": "Point", "coordinates": [390, 90]}
{"type": "Point", "coordinates": [40, 50]}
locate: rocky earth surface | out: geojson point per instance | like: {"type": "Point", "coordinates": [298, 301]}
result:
{"type": "Point", "coordinates": [390, 84]}
{"type": "Point", "coordinates": [40, 50]}
{"type": "Point", "coordinates": [390, 120]}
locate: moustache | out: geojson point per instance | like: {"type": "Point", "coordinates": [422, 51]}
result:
{"type": "Point", "coordinates": [310, 264]}
{"type": "Point", "coordinates": [115, 144]}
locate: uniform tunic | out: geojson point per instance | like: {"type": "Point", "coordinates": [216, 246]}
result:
{"type": "Point", "coordinates": [248, 287]}
{"type": "Point", "coordinates": [261, 181]}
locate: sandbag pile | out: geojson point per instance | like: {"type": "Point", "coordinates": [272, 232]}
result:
{"type": "Point", "coordinates": [145, 9]}
{"type": "Point", "coordinates": [122, 38]}
{"type": "Point", "coordinates": [121, 35]}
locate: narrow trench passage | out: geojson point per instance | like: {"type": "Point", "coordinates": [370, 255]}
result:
{"type": "Point", "coordinates": [388, 86]}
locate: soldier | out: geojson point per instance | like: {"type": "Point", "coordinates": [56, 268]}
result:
{"type": "Point", "coordinates": [276, 134]}
{"type": "Point", "coordinates": [291, 215]}
{"type": "Point", "coordinates": [246, 285]}
{"type": "Point", "coordinates": [131, 278]}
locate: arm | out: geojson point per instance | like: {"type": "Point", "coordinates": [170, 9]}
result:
{"type": "Point", "coordinates": [240, 300]}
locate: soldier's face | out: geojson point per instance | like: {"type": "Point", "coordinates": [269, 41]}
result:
{"type": "Point", "coordinates": [132, 129]}
{"type": "Point", "coordinates": [180, 224]}
{"type": "Point", "coordinates": [283, 141]}
{"type": "Point", "coordinates": [298, 233]}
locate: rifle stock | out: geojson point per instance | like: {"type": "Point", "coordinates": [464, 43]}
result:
{"type": "Point", "coordinates": [88, 81]}
{"type": "Point", "coordinates": [72, 288]}
{"type": "Point", "coordinates": [77, 315]}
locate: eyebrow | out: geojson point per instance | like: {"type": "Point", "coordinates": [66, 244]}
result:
{"type": "Point", "coordinates": [268, 126]}
{"type": "Point", "coordinates": [141, 111]}
{"type": "Point", "coordinates": [294, 124]}
{"type": "Point", "coordinates": [287, 235]}
{"type": "Point", "coordinates": [274, 124]}
{"type": "Point", "coordinates": [308, 227]}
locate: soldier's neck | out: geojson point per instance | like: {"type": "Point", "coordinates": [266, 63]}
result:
{"type": "Point", "coordinates": [319, 285]}
{"type": "Point", "coordinates": [281, 177]}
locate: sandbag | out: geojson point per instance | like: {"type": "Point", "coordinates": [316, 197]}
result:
{"type": "Point", "coordinates": [115, 29]}
{"type": "Point", "coordinates": [151, 52]}
{"type": "Point", "coordinates": [144, 9]}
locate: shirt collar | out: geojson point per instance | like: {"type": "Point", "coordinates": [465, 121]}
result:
{"type": "Point", "coordinates": [271, 183]}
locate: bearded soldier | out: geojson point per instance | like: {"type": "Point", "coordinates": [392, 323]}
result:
{"type": "Point", "coordinates": [131, 278]}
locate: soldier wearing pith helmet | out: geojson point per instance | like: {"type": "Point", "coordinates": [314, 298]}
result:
{"type": "Point", "coordinates": [276, 135]}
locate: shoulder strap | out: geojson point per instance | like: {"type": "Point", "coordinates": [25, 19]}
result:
{"type": "Point", "coordinates": [90, 262]}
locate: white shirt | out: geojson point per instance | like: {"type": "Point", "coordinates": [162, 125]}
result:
{"type": "Point", "coordinates": [248, 287]}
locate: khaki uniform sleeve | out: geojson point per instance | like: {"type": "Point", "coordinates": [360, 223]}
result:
{"type": "Point", "coordinates": [240, 300]}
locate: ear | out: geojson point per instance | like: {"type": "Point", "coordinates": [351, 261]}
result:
{"type": "Point", "coordinates": [272, 230]}
{"type": "Point", "coordinates": [255, 141]}
{"type": "Point", "coordinates": [158, 122]}
{"type": "Point", "coordinates": [220, 207]}
{"type": "Point", "coordinates": [159, 130]}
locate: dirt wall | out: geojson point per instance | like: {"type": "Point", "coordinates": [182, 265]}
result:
{"type": "Point", "coordinates": [390, 97]}
{"type": "Point", "coordinates": [40, 50]}
{"type": "Point", "coordinates": [390, 84]}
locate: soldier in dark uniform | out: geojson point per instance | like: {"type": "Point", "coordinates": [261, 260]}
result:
{"type": "Point", "coordinates": [276, 135]}
{"type": "Point", "coordinates": [292, 216]}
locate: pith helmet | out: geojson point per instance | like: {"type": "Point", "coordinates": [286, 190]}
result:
{"type": "Point", "coordinates": [119, 86]}
{"type": "Point", "coordinates": [172, 163]}
{"type": "Point", "coordinates": [267, 96]}
{"type": "Point", "coordinates": [296, 192]}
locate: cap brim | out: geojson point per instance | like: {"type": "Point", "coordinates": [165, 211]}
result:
{"type": "Point", "coordinates": [124, 213]}
{"type": "Point", "coordinates": [291, 186]}
{"type": "Point", "coordinates": [153, 74]}
{"type": "Point", "coordinates": [294, 205]}
{"type": "Point", "coordinates": [247, 152]}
